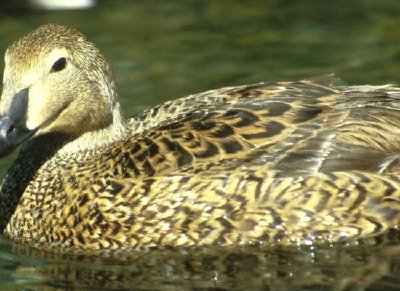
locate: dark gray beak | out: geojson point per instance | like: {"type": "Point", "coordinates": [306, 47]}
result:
{"type": "Point", "coordinates": [13, 129]}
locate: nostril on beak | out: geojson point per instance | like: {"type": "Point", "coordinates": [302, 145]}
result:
{"type": "Point", "coordinates": [12, 127]}
{"type": "Point", "coordinates": [6, 127]}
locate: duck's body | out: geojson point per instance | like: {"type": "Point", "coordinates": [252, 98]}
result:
{"type": "Point", "coordinates": [282, 163]}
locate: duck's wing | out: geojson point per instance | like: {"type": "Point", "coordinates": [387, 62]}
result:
{"type": "Point", "coordinates": [358, 133]}
{"type": "Point", "coordinates": [295, 128]}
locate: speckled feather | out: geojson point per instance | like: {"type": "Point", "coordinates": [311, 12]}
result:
{"type": "Point", "coordinates": [281, 163]}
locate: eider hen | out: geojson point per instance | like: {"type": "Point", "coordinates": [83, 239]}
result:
{"type": "Point", "coordinates": [283, 163]}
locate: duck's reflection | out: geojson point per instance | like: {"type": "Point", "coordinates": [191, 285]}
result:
{"type": "Point", "coordinates": [373, 263]}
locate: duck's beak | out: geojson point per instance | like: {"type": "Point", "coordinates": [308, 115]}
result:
{"type": "Point", "coordinates": [13, 129]}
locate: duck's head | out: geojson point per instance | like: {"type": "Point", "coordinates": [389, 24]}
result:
{"type": "Point", "coordinates": [55, 81]}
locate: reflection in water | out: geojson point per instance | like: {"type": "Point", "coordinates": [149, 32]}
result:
{"type": "Point", "coordinates": [370, 263]}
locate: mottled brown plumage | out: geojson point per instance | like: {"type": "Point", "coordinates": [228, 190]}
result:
{"type": "Point", "coordinates": [283, 163]}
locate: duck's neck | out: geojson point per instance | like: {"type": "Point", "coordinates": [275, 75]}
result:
{"type": "Point", "coordinates": [116, 131]}
{"type": "Point", "coordinates": [61, 144]}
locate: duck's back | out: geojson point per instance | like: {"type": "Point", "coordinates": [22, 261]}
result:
{"type": "Point", "coordinates": [294, 129]}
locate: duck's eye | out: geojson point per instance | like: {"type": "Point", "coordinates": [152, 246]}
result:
{"type": "Point", "coordinates": [59, 65]}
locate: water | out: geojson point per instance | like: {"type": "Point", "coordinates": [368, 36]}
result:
{"type": "Point", "coordinates": [166, 49]}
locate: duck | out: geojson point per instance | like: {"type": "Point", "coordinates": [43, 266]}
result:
{"type": "Point", "coordinates": [305, 162]}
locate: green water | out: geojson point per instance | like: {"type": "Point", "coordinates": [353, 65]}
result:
{"type": "Point", "coordinates": [167, 49]}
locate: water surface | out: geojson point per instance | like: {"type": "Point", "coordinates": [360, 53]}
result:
{"type": "Point", "coordinates": [166, 49]}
